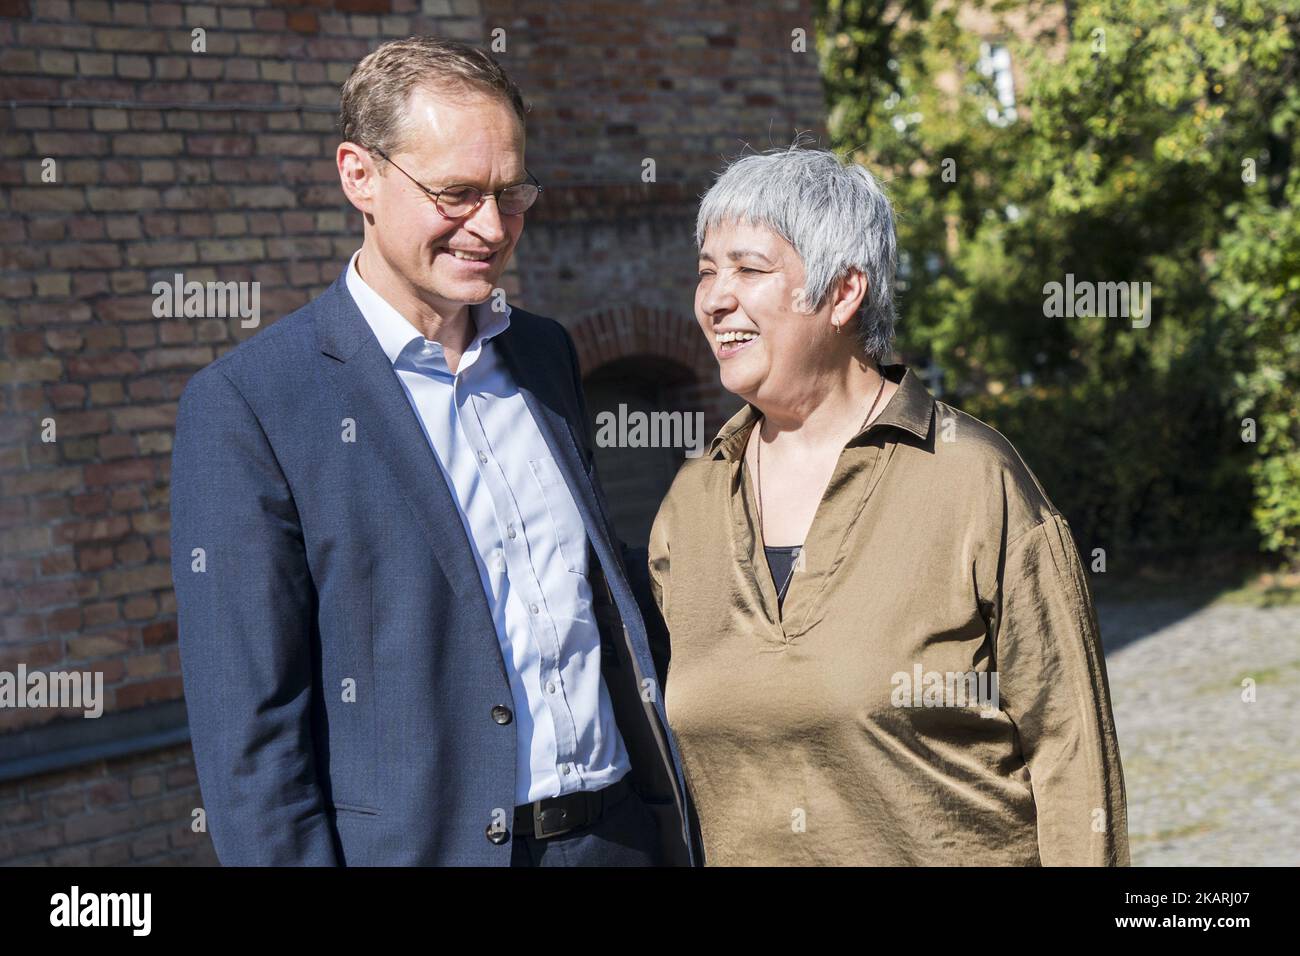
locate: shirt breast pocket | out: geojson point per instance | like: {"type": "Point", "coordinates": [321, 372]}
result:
{"type": "Point", "coordinates": [566, 521]}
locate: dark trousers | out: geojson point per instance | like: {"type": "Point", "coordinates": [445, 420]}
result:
{"type": "Point", "coordinates": [626, 834]}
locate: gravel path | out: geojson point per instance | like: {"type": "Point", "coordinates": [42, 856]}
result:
{"type": "Point", "coordinates": [1211, 779]}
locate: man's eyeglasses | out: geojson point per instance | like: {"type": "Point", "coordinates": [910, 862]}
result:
{"type": "Point", "coordinates": [458, 201]}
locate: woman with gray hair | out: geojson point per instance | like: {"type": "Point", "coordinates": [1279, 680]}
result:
{"type": "Point", "coordinates": [883, 644]}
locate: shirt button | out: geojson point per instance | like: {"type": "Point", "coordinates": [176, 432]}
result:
{"type": "Point", "coordinates": [567, 768]}
{"type": "Point", "coordinates": [482, 457]}
{"type": "Point", "coordinates": [501, 714]}
{"type": "Point", "coordinates": [550, 687]}
{"type": "Point", "coordinates": [533, 608]}
{"type": "Point", "coordinates": [497, 835]}
{"type": "Point", "coordinates": [510, 530]}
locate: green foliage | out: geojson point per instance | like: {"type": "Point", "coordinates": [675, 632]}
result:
{"type": "Point", "coordinates": [1139, 125]}
{"type": "Point", "coordinates": [1256, 277]}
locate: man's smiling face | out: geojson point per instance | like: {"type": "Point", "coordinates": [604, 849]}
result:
{"type": "Point", "coordinates": [469, 139]}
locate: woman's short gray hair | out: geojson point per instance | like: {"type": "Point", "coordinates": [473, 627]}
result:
{"type": "Point", "coordinates": [835, 215]}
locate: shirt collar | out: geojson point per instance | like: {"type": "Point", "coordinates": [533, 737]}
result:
{"type": "Point", "coordinates": [910, 408]}
{"type": "Point", "coordinates": [395, 334]}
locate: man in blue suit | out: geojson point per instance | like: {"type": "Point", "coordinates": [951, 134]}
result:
{"type": "Point", "coordinates": [406, 631]}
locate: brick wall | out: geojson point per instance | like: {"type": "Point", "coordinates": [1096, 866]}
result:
{"type": "Point", "coordinates": [613, 88]}
{"type": "Point", "coordinates": [219, 165]}
{"type": "Point", "coordinates": [135, 809]}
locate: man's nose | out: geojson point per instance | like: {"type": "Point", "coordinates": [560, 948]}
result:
{"type": "Point", "coordinates": [486, 221]}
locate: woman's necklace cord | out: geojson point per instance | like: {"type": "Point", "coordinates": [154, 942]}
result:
{"type": "Point", "coordinates": [758, 481]}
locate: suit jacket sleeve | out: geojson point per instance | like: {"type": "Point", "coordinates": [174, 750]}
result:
{"type": "Point", "coordinates": [245, 606]}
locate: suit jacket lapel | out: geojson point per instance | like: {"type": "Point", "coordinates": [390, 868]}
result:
{"type": "Point", "coordinates": [387, 426]}
{"type": "Point", "coordinates": [524, 354]}
{"type": "Point", "coordinates": [373, 395]}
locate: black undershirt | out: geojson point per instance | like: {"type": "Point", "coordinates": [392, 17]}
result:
{"type": "Point", "coordinates": [779, 562]}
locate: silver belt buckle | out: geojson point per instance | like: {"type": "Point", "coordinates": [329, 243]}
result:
{"type": "Point", "coordinates": [539, 830]}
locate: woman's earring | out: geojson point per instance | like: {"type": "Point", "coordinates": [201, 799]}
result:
{"type": "Point", "coordinates": [837, 327]}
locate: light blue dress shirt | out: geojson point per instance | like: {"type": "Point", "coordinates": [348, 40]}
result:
{"type": "Point", "coordinates": [529, 541]}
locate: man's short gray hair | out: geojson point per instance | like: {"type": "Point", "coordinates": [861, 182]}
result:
{"type": "Point", "coordinates": [835, 215]}
{"type": "Point", "coordinates": [373, 106]}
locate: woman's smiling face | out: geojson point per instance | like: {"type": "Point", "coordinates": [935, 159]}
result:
{"type": "Point", "coordinates": [751, 282]}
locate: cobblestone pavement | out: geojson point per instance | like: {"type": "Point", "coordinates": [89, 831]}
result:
{"type": "Point", "coordinates": [1211, 780]}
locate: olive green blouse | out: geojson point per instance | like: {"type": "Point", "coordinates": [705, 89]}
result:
{"type": "Point", "coordinates": [933, 691]}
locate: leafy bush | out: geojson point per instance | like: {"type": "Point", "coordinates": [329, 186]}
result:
{"type": "Point", "coordinates": [1152, 141]}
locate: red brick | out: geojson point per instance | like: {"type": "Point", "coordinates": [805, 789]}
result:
{"type": "Point", "coordinates": [148, 577]}
{"type": "Point", "coordinates": [148, 692]}
{"type": "Point", "coordinates": [138, 417]}
{"type": "Point", "coordinates": [106, 612]}
{"type": "Point", "coordinates": [94, 826]}
{"type": "Point", "coordinates": [118, 472]}
{"type": "Point", "coordinates": [163, 632]}
{"type": "Point", "coordinates": [100, 529]}
{"type": "Point", "coordinates": [104, 366]}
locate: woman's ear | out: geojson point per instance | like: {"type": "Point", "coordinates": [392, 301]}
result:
{"type": "Point", "coordinates": [846, 299]}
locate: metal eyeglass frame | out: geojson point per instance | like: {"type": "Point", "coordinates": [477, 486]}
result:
{"type": "Point", "coordinates": [481, 194]}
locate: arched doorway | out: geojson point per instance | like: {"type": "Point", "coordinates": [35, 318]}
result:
{"type": "Point", "coordinates": [635, 480]}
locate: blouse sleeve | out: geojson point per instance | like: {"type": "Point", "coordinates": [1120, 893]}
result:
{"type": "Point", "coordinates": [1052, 684]}
{"type": "Point", "coordinates": [658, 560]}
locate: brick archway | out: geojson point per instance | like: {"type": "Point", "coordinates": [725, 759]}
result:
{"type": "Point", "coordinates": [649, 360]}
{"type": "Point", "coordinates": [635, 331]}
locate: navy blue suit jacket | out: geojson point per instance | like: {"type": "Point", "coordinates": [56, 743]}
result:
{"type": "Point", "coordinates": [339, 658]}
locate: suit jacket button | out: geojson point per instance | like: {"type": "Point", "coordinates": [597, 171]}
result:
{"type": "Point", "coordinates": [501, 714]}
{"type": "Point", "coordinates": [497, 835]}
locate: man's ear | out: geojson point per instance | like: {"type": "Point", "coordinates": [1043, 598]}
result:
{"type": "Point", "coordinates": [357, 175]}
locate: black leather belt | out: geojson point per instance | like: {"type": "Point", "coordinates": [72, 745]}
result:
{"type": "Point", "coordinates": [555, 815]}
